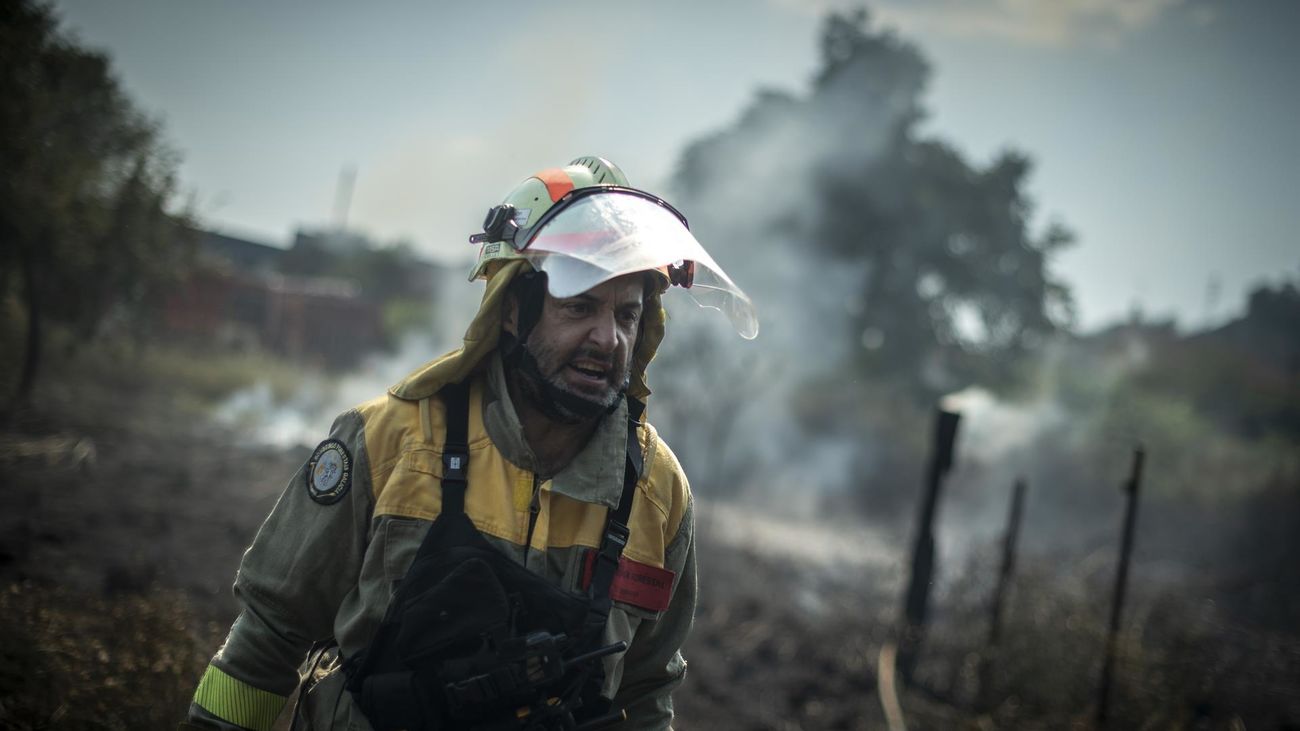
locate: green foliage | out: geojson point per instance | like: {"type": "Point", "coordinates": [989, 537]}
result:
{"type": "Point", "coordinates": [1217, 411]}
{"type": "Point", "coordinates": [84, 200]}
{"type": "Point", "coordinates": [1244, 376]}
{"type": "Point", "coordinates": [392, 277]}
{"type": "Point", "coordinates": [406, 315]}
{"type": "Point", "coordinates": [1190, 457]}
{"type": "Point", "coordinates": [381, 272]}
{"type": "Point", "coordinates": [204, 380]}
{"type": "Point", "coordinates": [114, 383]}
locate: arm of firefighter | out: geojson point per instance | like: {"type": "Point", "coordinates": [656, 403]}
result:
{"type": "Point", "coordinates": [291, 581]}
{"type": "Point", "coordinates": [653, 666]}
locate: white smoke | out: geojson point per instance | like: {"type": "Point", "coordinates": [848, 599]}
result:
{"type": "Point", "coordinates": [305, 415]}
{"type": "Point", "coordinates": [755, 206]}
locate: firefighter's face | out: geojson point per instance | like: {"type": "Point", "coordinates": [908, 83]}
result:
{"type": "Point", "coordinates": [583, 345]}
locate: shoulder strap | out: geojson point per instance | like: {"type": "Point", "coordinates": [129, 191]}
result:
{"type": "Point", "coordinates": [616, 530]}
{"type": "Point", "coordinates": [631, 474]}
{"type": "Point", "coordinates": [455, 447]}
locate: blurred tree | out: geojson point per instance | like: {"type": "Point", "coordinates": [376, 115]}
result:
{"type": "Point", "coordinates": [1245, 374]}
{"type": "Point", "coordinates": [84, 226]}
{"type": "Point", "coordinates": [947, 284]}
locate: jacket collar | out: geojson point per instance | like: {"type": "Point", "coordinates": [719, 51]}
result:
{"type": "Point", "coordinates": [594, 476]}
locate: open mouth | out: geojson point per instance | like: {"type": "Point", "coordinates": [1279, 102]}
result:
{"type": "Point", "coordinates": [589, 373]}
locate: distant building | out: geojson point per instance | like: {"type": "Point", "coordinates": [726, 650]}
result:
{"type": "Point", "coordinates": [237, 298]}
{"type": "Point", "coordinates": [416, 278]}
{"type": "Point", "coordinates": [333, 241]}
{"type": "Point", "coordinates": [250, 257]}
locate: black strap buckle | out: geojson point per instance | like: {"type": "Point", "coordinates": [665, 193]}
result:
{"type": "Point", "coordinates": [611, 550]}
{"type": "Point", "coordinates": [455, 466]}
{"type": "Point", "coordinates": [616, 535]}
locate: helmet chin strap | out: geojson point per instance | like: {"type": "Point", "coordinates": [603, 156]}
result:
{"type": "Point", "coordinates": [556, 404]}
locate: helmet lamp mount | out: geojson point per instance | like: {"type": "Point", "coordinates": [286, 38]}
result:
{"type": "Point", "coordinates": [499, 225]}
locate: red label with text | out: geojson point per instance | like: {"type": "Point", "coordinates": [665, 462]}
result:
{"type": "Point", "coordinates": [635, 583]}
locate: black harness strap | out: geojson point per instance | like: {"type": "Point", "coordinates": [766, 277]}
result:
{"type": "Point", "coordinates": [455, 466]}
{"type": "Point", "coordinates": [455, 450]}
{"type": "Point", "coordinates": [616, 528]}
{"type": "Point", "coordinates": [455, 471]}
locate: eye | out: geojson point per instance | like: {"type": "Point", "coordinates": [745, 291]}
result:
{"type": "Point", "coordinates": [630, 315]}
{"type": "Point", "coordinates": [577, 308]}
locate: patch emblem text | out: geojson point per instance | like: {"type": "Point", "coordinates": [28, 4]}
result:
{"type": "Point", "coordinates": [329, 472]}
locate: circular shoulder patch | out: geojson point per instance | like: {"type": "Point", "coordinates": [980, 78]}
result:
{"type": "Point", "coordinates": [329, 473]}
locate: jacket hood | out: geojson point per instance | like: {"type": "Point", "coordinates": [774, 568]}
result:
{"type": "Point", "coordinates": [484, 332]}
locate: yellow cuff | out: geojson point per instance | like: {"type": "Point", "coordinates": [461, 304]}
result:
{"type": "Point", "coordinates": [237, 702]}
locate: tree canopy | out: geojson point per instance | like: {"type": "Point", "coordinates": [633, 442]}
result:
{"type": "Point", "coordinates": [86, 227]}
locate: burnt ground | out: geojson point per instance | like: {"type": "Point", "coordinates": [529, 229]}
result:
{"type": "Point", "coordinates": [122, 520]}
{"type": "Point", "coordinates": [123, 517]}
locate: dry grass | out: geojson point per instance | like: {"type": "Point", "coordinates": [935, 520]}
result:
{"type": "Point", "coordinates": [1181, 661]}
{"type": "Point", "coordinates": [78, 661]}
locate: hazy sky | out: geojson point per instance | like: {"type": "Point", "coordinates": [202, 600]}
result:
{"type": "Point", "coordinates": [1164, 131]}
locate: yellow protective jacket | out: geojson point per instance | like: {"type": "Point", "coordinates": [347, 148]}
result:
{"type": "Point", "coordinates": [326, 565]}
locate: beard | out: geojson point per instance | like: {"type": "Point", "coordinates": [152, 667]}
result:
{"type": "Point", "coordinates": [540, 378]}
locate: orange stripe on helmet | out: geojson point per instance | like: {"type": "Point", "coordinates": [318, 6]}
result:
{"type": "Point", "coordinates": [558, 183]}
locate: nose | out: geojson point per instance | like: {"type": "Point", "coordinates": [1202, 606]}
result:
{"type": "Point", "coordinates": [604, 332]}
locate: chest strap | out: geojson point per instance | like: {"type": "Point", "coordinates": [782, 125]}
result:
{"type": "Point", "coordinates": [616, 530]}
{"type": "Point", "coordinates": [455, 448]}
{"type": "Point", "coordinates": [455, 471]}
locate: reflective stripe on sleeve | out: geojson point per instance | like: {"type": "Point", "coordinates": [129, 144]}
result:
{"type": "Point", "coordinates": [237, 702]}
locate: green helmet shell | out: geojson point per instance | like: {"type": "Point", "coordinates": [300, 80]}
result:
{"type": "Point", "coordinates": [533, 197]}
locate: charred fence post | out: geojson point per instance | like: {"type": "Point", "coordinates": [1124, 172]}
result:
{"type": "Point", "coordinates": [1121, 580]}
{"type": "Point", "coordinates": [999, 594]}
{"type": "Point", "coordinates": [916, 606]}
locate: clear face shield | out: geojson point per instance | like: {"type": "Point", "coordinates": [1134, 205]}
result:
{"type": "Point", "coordinates": [595, 234]}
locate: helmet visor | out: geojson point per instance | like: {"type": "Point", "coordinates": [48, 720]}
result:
{"type": "Point", "coordinates": [600, 236]}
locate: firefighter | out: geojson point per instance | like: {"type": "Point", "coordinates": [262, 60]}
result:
{"type": "Point", "coordinates": [501, 540]}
